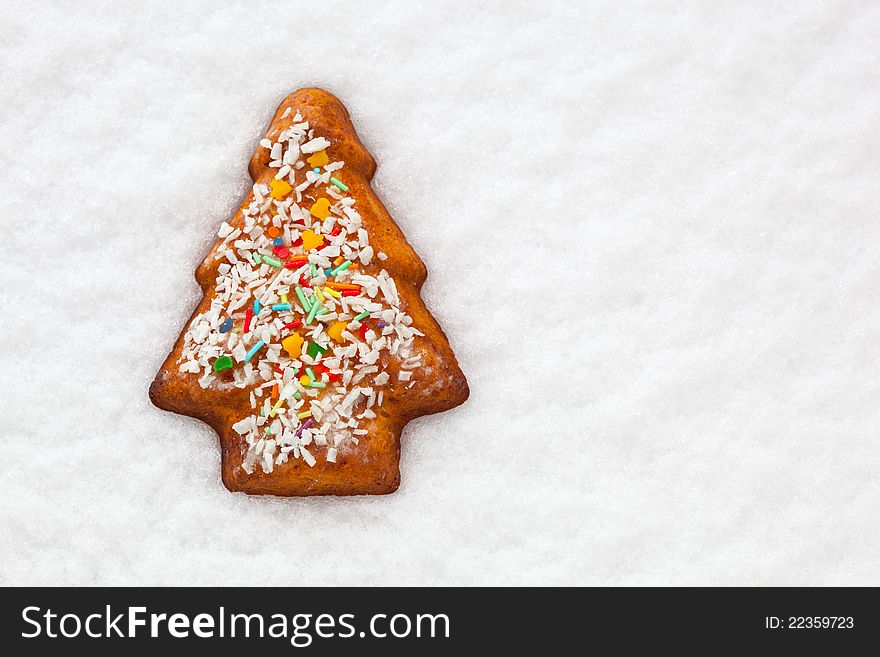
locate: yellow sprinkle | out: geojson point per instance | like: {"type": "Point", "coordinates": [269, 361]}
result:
{"type": "Point", "coordinates": [318, 159]}
{"type": "Point", "coordinates": [276, 407]}
{"type": "Point", "coordinates": [332, 293]}
{"type": "Point", "coordinates": [305, 380]}
{"type": "Point", "coordinates": [279, 189]}
{"type": "Point", "coordinates": [321, 208]}
{"type": "Point", "coordinates": [311, 240]}
{"type": "Point", "coordinates": [335, 331]}
{"type": "Point", "coordinates": [304, 415]}
{"type": "Point", "coordinates": [293, 345]}
{"type": "Point", "coordinates": [284, 298]}
{"type": "Point", "coordinates": [319, 294]}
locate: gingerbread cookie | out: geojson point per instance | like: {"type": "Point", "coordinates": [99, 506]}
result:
{"type": "Point", "coordinates": [311, 347]}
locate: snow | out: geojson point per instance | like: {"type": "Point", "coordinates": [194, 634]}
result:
{"type": "Point", "coordinates": [652, 238]}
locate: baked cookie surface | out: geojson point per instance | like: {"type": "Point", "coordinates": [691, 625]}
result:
{"type": "Point", "coordinates": [311, 347]}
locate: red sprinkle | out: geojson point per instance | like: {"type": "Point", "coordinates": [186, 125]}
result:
{"type": "Point", "coordinates": [248, 315]}
{"type": "Point", "coordinates": [333, 377]}
{"type": "Point", "coordinates": [335, 231]}
{"type": "Point", "coordinates": [304, 282]}
{"type": "Point", "coordinates": [363, 331]}
{"type": "Point", "coordinates": [296, 242]}
{"type": "Point", "coordinates": [350, 293]}
{"type": "Point", "coordinates": [294, 324]}
{"type": "Point", "coordinates": [280, 251]}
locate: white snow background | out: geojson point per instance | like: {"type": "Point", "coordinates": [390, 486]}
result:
{"type": "Point", "coordinates": [652, 236]}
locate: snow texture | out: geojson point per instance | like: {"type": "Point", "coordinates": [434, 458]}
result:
{"type": "Point", "coordinates": [652, 235]}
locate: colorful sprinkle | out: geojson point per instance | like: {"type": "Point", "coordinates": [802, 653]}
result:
{"type": "Point", "coordinates": [314, 349]}
{"type": "Point", "coordinates": [335, 331]}
{"type": "Point", "coordinates": [345, 265]}
{"type": "Point", "coordinates": [317, 384]}
{"type": "Point", "coordinates": [279, 189]}
{"type": "Point", "coordinates": [339, 184]}
{"type": "Point", "coordinates": [314, 311]}
{"type": "Point", "coordinates": [311, 372]}
{"type": "Point", "coordinates": [305, 425]}
{"type": "Point", "coordinates": [254, 350]}
{"type": "Point", "coordinates": [222, 363]}
{"type": "Point", "coordinates": [269, 260]}
{"type": "Point", "coordinates": [257, 306]}
{"type": "Point", "coordinates": [278, 241]}
{"type": "Point", "coordinates": [302, 299]}
{"type": "Point", "coordinates": [343, 286]}
{"type": "Point", "coordinates": [363, 315]}
{"type": "Point", "coordinates": [311, 239]}
{"type": "Point", "coordinates": [320, 209]}
{"type": "Point", "coordinates": [281, 306]}
{"type": "Point", "coordinates": [226, 326]}
{"type": "Point", "coordinates": [292, 344]}
{"type": "Point", "coordinates": [304, 415]}
{"type": "Point", "coordinates": [319, 159]}
{"type": "Point", "coordinates": [296, 261]}
{"type": "Point", "coordinates": [248, 316]}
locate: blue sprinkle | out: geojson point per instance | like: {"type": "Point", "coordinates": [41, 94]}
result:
{"type": "Point", "coordinates": [281, 306]}
{"type": "Point", "coordinates": [316, 170]}
{"type": "Point", "coordinates": [328, 272]}
{"type": "Point", "coordinates": [226, 325]}
{"type": "Point", "coordinates": [257, 306]}
{"type": "Point", "coordinates": [254, 350]}
{"type": "Point", "coordinates": [278, 241]}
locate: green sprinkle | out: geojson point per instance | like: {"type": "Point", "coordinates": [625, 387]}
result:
{"type": "Point", "coordinates": [269, 260]}
{"type": "Point", "coordinates": [235, 330]}
{"type": "Point", "coordinates": [222, 363]}
{"type": "Point", "coordinates": [313, 312]}
{"type": "Point", "coordinates": [363, 315]}
{"type": "Point", "coordinates": [302, 299]}
{"type": "Point", "coordinates": [311, 374]}
{"type": "Point", "coordinates": [257, 258]}
{"type": "Point", "coordinates": [339, 184]}
{"type": "Point", "coordinates": [345, 265]}
{"type": "Point", "coordinates": [323, 310]}
{"type": "Point", "coordinates": [313, 350]}
{"type": "Point", "coordinates": [297, 394]}
{"type": "Point", "coordinates": [313, 269]}
{"type": "Point", "coordinates": [317, 384]}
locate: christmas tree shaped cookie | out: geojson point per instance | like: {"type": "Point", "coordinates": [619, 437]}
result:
{"type": "Point", "coordinates": [311, 347]}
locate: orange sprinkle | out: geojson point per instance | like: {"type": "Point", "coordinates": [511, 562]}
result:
{"type": "Point", "coordinates": [275, 391]}
{"type": "Point", "coordinates": [273, 231]}
{"type": "Point", "coordinates": [338, 261]}
{"type": "Point", "coordinates": [333, 285]}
